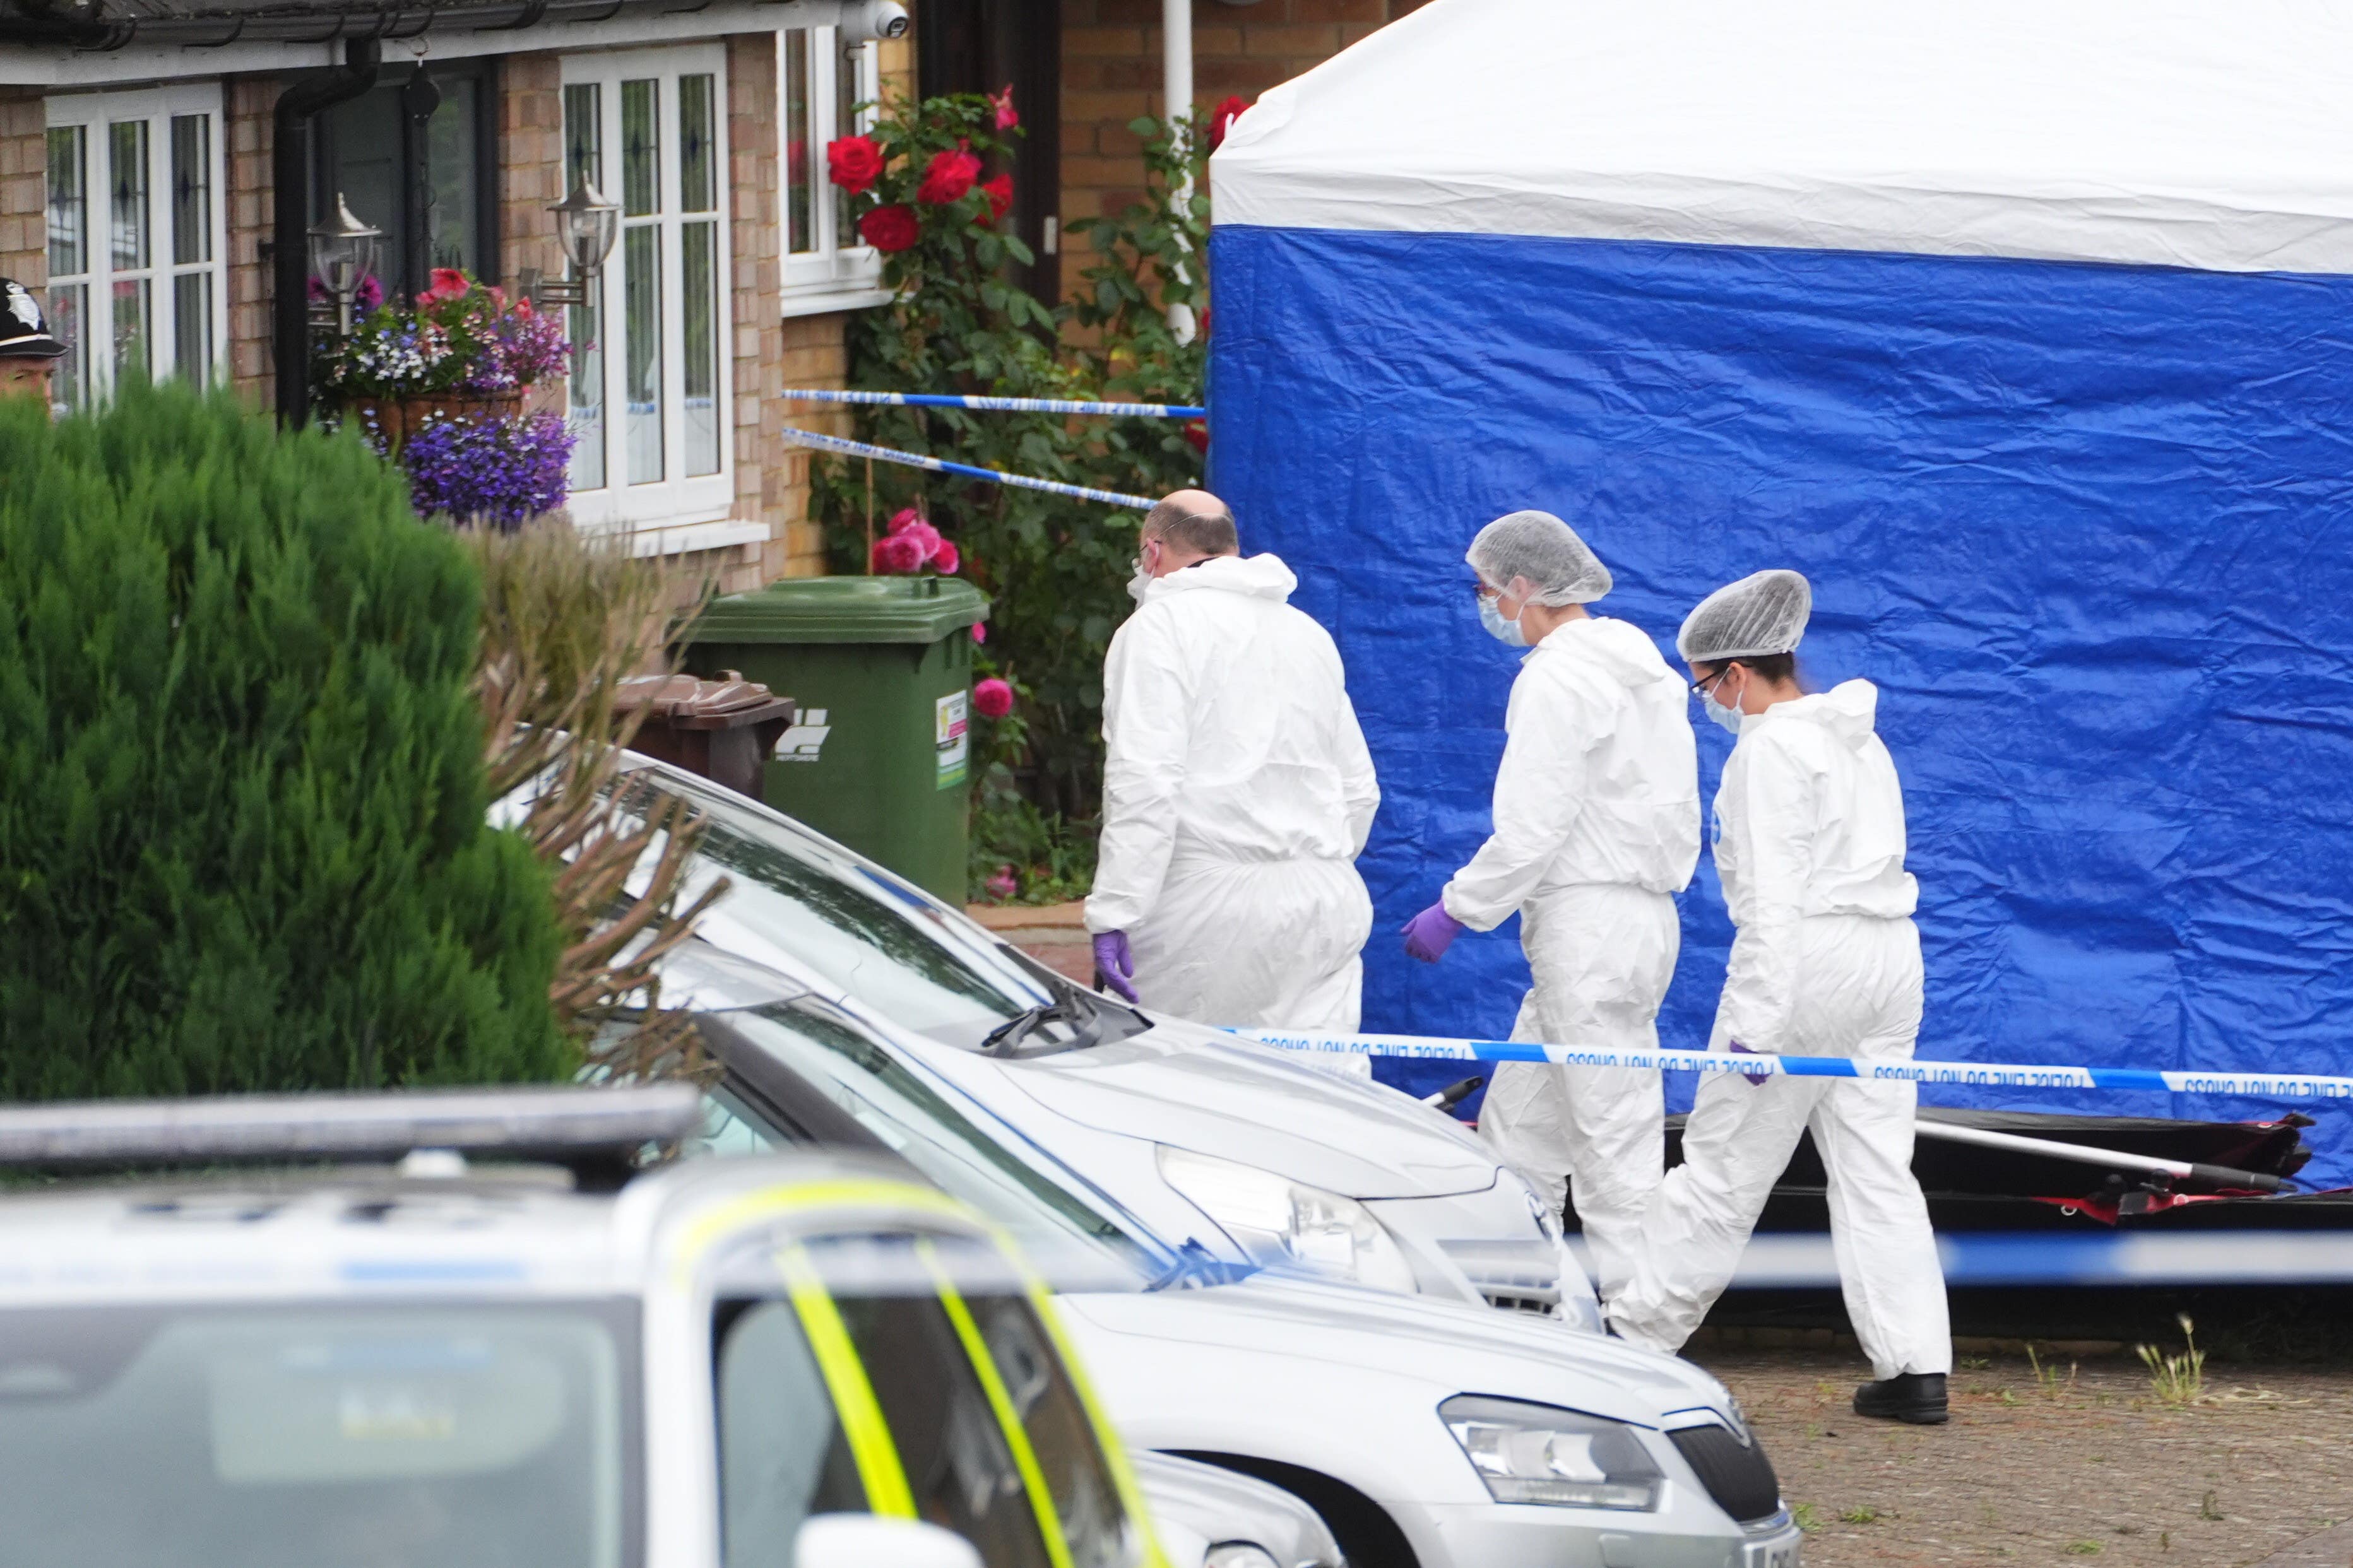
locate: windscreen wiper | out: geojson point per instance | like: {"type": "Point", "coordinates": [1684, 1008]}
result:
{"type": "Point", "coordinates": [1092, 1020]}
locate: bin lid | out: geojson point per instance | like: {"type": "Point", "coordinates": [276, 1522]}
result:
{"type": "Point", "coordinates": [686, 703]}
{"type": "Point", "coordinates": [843, 610]}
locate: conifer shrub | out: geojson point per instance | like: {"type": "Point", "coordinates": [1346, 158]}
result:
{"type": "Point", "coordinates": [242, 795]}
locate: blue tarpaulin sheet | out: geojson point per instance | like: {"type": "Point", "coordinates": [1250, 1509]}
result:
{"type": "Point", "coordinates": [2084, 524]}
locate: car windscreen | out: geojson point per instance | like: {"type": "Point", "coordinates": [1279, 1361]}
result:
{"type": "Point", "coordinates": [858, 930]}
{"type": "Point", "coordinates": [1074, 1244]}
{"type": "Point", "coordinates": [296, 1435]}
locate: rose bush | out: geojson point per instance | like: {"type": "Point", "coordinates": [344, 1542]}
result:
{"type": "Point", "coordinates": [1055, 569]}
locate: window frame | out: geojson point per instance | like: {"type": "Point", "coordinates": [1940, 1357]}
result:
{"type": "Point", "coordinates": [834, 276]}
{"type": "Point", "coordinates": [156, 107]}
{"type": "Point", "coordinates": [678, 496]}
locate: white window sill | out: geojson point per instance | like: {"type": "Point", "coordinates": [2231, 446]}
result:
{"type": "Point", "coordinates": [681, 538]}
{"type": "Point", "coordinates": [825, 301]}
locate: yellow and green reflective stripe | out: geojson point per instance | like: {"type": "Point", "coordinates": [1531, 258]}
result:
{"type": "Point", "coordinates": [1122, 1475]}
{"type": "Point", "coordinates": [871, 1448]}
{"type": "Point", "coordinates": [1016, 1437]}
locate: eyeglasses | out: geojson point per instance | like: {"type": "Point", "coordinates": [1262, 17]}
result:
{"type": "Point", "coordinates": [1482, 591]}
{"type": "Point", "coordinates": [1700, 687]}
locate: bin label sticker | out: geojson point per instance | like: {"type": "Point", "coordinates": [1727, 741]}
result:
{"type": "Point", "coordinates": [805, 741]}
{"type": "Point", "coordinates": [949, 728]}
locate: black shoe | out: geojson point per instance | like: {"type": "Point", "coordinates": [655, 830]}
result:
{"type": "Point", "coordinates": [1917, 1397]}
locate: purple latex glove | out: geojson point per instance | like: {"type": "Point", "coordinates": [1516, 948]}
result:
{"type": "Point", "coordinates": [1753, 1078]}
{"type": "Point", "coordinates": [1115, 965]}
{"type": "Point", "coordinates": [1429, 933]}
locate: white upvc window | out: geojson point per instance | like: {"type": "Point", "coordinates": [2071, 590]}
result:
{"type": "Point", "coordinates": [824, 90]}
{"type": "Point", "coordinates": [649, 393]}
{"type": "Point", "coordinates": [136, 237]}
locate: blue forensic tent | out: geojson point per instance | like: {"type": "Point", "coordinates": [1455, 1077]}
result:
{"type": "Point", "coordinates": [2024, 330]}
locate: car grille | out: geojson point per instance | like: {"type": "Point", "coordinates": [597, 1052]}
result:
{"type": "Point", "coordinates": [1737, 1474]}
{"type": "Point", "coordinates": [1516, 1276]}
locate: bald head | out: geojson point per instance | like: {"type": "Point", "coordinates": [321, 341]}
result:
{"type": "Point", "coordinates": [1190, 525]}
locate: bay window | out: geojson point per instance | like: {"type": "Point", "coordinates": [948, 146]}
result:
{"type": "Point", "coordinates": [136, 237]}
{"type": "Point", "coordinates": [648, 393]}
{"type": "Point", "coordinates": [825, 89]}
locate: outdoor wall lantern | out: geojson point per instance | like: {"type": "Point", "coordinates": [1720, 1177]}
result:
{"type": "Point", "coordinates": [585, 225]}
{"type": "Point", "coordinates": [343, 251]}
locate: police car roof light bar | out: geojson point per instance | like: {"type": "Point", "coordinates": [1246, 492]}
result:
{"type": "Point", "coordinates": [560, 1124]}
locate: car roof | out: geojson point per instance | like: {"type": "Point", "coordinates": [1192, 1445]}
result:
{"type": "Point", "coordinates": [516, 1232]}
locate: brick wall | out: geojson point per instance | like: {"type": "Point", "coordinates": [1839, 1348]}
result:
{"type": "Point", "coordinates": [530, 165]}
{"type": "Point", "coordinates": [1111, 75]}
{"type": "Point", "coordinates": [251, 191]}
{"type": "Point", "coordinates": [24, 165]}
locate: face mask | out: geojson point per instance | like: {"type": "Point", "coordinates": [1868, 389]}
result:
{"type": "Point", "coordinates": [1725, 718]}
{"type": "Point", "coordinates": [1140, 583]}
{"type": "Point", "coordinates": [1508, 632]}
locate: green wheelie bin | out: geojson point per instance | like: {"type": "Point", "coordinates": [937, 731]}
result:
{"type": "Point", "coordinates": [879, 673]}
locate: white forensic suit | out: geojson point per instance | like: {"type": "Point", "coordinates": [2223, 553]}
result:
{"type": "Point", "coordinates": [1825, 962]}
{"type": "Point", "coordinates": [1237, 795]}
{"type": "Point", "coordinates": [1596, 829]}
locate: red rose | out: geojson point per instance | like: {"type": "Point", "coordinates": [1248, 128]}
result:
{"type": "Point", "coordinates": [999, 192]}
{"type": "Point", "coordinates": [948, 176]}
{"type": "Point", "coordinates": [896, 556]}
{"type": "Point", "coordinates": [992, 698]}
{"type": "Point", "coordinates": [1197, 431]}
{"type": "Point", "coordinates": [905, 517]}
{"type": "Point", "coordinates": [890, 228]}
{"type": "Point", "coordinates": [944, 558]}
{"type": "Point", "coordinates": [1221, 120]}
{"type": "Point", "coordinates": [1002, 102]}
{"type": "Point", "coordinates": [854, 161]}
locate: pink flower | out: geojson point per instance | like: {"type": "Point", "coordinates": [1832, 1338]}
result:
{"type": "Point", "coordinates": [448, 283]}
{"type": "Point", "coordinates": [896, 556]}
{"type": "Point", "coordinates": [979, 632]}
{"type": "Point", "coordinates": [946, 559]}
{"type": "Point", "coordinates": [948, 176]}
{"type": "Point", "coordinates": [993, 699]}
{"type": "Point", "coordinates": [906, 517]}
{"type": "Point", "coordinates": [1001, 886]}
{"type": "Point", "coordinates": [1002, 102]}
{"type": "Point", "coordinates": [922, 538]}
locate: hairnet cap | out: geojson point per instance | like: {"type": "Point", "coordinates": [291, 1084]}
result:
{"type": "Point", "coordinates": [1764, 613]}
{"type": "Point", "coordinates": [1545, 551]}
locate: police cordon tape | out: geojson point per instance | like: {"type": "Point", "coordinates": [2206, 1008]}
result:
{"type": "Point", "coordinates": [942, 466]}
{"type": "Point", "coordinates": [1788, 1260]}
{"type": "Point", "coordinates": [1980, 1075]}
{"type": "Point", "coordinates": [998, 404]}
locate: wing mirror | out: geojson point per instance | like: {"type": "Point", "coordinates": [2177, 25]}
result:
{"type": "Point", "coordinates": [874, 1541]}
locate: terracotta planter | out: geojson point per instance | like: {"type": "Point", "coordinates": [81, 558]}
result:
{"type": "Point", "coordinates": [394, 419]}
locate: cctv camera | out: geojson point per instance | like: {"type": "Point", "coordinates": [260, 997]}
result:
{"type": "Point", "coordinates": [865, 19]}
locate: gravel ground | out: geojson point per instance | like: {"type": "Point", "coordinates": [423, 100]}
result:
{"type": "Point", "coordinates": [2081, 1466]}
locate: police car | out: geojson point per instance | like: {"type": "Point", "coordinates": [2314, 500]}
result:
{"type": "Point", "coordinates": [806, 1360]}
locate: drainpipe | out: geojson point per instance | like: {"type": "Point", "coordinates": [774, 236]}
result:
{"type": "Point", "coordinates": [290, 156]}
{"type": "Point", "coordinates": [1176, 100]}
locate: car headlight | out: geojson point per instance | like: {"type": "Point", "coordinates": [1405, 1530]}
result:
{"type": "Point", "coordinates": [1536, 1453]}
{"type": "Point", "coordinates": [1277, 1220]}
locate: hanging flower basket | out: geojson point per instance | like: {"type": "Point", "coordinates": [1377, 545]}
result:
{"type": "Point", "coordinates": [390, 421]}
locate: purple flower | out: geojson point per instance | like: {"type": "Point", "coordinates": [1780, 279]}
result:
{"type": "Point", "coordinates": [487, 469]}
{"type": "Point", "coordinates": [364, 299]}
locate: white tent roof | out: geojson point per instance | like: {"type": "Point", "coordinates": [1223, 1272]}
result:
{"type": "Point", "coordinates": [2206, 133]}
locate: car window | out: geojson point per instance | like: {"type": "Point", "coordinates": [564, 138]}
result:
{"type": "Point", "coordinates": [915, 1122]}
{"type": "Point", "coordinates": [782, 1453]}
{"type": "Point", "coordinates": [854, 929]}
{"type": "Point", "coordinates": [308, 1434]}
{"type": "Point", "coordinates": [958, 1464]}
{"type": "Point", "coordinates": [1077, 1475]}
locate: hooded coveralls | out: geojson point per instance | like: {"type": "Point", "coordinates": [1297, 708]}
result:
{"type": "Point", "coordinates": [1825, 962]}
{"type": "Point", "coordinates": [1237, 795]}
{"type": "Point", "coordinates": [1596, 828]}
